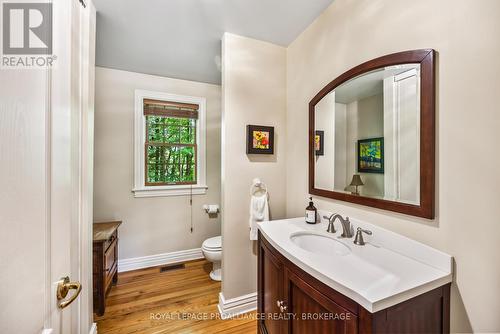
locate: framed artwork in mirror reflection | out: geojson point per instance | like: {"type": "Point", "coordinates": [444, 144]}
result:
{"type": "Point", "coordinates": [371, 155]}
{"type": "Point", "coordinates": [319, 142]}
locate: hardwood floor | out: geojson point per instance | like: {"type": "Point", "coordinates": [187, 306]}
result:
{"type": "Point", "coordinates": [178, 301]}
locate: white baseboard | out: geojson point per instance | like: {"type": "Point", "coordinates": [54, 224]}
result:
{"type": "Point", "coordinates": [93, 329]}
{"type": "Point", "coordinates": [159, 259]}
{"type": "Point", "coordinates": [231, 307]}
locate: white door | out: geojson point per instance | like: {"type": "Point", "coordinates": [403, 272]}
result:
{"type": "Point", "coordinates": [402, 129]}
{"type": "Point", "coordinates": [46, 127]}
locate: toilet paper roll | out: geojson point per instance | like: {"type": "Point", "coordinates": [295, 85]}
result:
{"type": "Point", "coordinates": [211, 208]}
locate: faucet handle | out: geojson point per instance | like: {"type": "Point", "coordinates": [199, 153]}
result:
{"type": "Point", "coordinates": [358, 240]}
{"type": "Point", "coordinates": [364, 231]}
{"type": "Point", "coordinates": [329, 217]}
{"type": "Point", "coordinates": [331, 227]}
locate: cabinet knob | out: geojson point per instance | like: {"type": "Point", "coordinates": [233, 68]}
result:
{"type": "Point", "coordinates": [281, 305]}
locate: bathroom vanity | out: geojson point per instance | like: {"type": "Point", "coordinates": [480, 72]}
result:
{"type": "Point", "coordinates": [311, 281]}
{"type": "Point", "coordinates": [372, 143]}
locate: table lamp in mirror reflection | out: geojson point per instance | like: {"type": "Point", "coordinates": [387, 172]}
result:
{"type": "Point", "coordinates": [356, 182]}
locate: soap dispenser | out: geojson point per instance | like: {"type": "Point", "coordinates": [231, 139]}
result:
{"type": "Point", "coordinates": [311, 212]}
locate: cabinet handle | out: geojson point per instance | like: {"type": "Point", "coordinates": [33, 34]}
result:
{"type": "Point", "coordinates": [279, 303]}
{"type": "Point", "coordinates": [283, 308]}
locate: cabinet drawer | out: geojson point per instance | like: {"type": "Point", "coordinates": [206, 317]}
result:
{"type": "Point", "coordinates": [110, 263]}
{"type": "Point", "coordinates": [110, 241]}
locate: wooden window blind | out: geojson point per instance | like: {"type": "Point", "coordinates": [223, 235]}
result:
{"type": "Point", "coordinates": [170, 109]}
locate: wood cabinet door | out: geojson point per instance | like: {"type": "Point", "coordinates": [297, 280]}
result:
{"type": "Point", "coordinates": [313, 312]}
{"type": "Point", "coordinates": [270, 291]}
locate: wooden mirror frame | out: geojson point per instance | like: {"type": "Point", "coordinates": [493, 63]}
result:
{"type": "Point", "coordinates": [426, 58]}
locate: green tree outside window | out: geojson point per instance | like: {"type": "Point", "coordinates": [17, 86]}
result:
{"type": "Point", "coordinates": [170, 150]}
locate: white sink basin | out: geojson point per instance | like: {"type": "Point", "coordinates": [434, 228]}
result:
{"type": "Point", "coordinates": [319, 243]}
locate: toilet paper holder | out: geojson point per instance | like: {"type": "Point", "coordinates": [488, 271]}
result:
{"type": "Point", "coordinates": [211, 208]}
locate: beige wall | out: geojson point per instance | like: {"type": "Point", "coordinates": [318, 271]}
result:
{"type": "Point", "coordinates": [152, 225]}
{"type": "Point", "coordinates": [464, 34]}
{"type": "Point", "coordinates": [254, 81]}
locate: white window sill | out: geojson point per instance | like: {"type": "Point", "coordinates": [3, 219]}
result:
{"type": "Point", "coordinates": [166, 191]}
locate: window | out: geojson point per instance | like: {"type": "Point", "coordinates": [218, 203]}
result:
{"type": "Point", "coordinates": [170, 142]}
{"type": "Point", "coordinates": [170, 147]}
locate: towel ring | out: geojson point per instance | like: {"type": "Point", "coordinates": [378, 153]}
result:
{"type": "Point", "coordinates": [257, 183]}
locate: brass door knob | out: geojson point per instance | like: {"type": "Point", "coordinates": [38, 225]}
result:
{"type": "Point", "coordinates": [63, 288]}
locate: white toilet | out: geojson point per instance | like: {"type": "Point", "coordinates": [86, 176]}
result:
{"type": "Point", "coordinates": [212, 250]}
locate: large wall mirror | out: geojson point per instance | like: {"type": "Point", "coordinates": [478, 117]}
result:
{"type": "Point", "coordinates": [371, 135]}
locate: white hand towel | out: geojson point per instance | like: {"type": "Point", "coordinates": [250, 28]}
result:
{"type": "Point", "coordinates": [259, 212]}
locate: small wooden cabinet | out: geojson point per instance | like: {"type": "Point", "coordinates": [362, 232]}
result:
{"type": "Point", "coordinates": [105, 262]}
{"type": "Point", "coordinates": [292, 301]}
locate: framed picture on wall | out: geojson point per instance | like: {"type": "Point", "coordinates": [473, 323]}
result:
{"type": "Point", "coordinates": [319, 142]}
{"type": "Point", "coordinates": [371, 155]}
{"type": "Point", "coordinates": [260, 139]}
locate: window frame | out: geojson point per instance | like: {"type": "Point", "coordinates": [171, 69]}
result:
{"type": "Point", "coordinates": [141, 189]}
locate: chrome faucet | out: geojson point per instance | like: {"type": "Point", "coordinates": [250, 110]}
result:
{"type": "Point", "coordinates": [347, 231]}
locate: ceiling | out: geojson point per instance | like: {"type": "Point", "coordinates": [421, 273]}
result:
{"type": "Point", "coordinates": [368, 84]}
{"type": "Point", "coordinates": [182, 38]}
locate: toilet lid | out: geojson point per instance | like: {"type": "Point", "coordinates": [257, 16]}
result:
{"type": "Point", "coordinates": [213, 243]}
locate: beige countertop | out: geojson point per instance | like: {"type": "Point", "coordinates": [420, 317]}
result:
{"type": "Point", "coordinates": [104, 230]}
